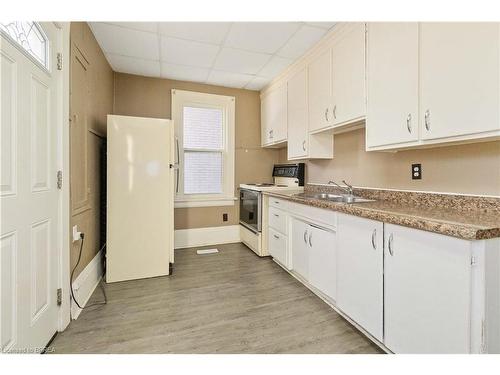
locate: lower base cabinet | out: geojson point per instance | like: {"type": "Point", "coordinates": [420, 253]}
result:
{"type": "Point", "coordinates": [300, 248]}
{"type": "Point", "coordinates": [314, 256]}
{"type": "Point", "coordinates": [323, 261]}
{"type": "Point", "coordinates": [427, 292]}
{"type": "Point", "coordinates": [360, 272]}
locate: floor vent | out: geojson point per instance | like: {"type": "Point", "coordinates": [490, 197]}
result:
{"type": "Point", "coordinates": [207, 251]}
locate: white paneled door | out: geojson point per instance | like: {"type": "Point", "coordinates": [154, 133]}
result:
{"type": "Point", "coordinates": [29, 197]}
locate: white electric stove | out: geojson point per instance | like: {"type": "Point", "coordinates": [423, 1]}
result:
{"type": "Point", "coordinates": [287, 177]}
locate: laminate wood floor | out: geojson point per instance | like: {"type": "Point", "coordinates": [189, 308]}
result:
{"type": "Point", "coordinates": [230, 302]}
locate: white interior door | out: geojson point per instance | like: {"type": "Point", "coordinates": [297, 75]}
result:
{"type": "Point", "coordinates": [29, 196]}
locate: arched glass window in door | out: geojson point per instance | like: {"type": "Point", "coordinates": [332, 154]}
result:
{"type": "Point", "coordinates": [30, 36]}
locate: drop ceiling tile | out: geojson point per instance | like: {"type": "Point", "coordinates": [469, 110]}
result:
{"type": "Point", "coordinates": [185, 52]}
{"type": "Point", "coordinates": [304, 39]}
{"type": "Point", "coordinates": [238, 61]}
{"type": "Point", "coordinates": [257, 83]}
{"type": "Point", "coordinates": [151, 27]}
{"type": "Point", "coordinates": [132, 65]}
{"type": "Point", "coordinates": [274, 67]}
{"type": "Point", "coordinates": [126, 42]}
{"type": "Point", "coordinates": [208, 32]}
{"type": "Point", "coordinates": [265, 37]}
{"type": "Point", "coordinates": [228, 79]}
{"type": "Point", "coordinates": [184, 73]}
{"type": "Point", "coordinates": [323, 25]}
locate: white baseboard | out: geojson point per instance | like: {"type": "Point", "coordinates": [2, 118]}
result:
{"type": "Point", "coordinates": [85, 284]}
{"type": "Point", "coordinates": [206, 236]}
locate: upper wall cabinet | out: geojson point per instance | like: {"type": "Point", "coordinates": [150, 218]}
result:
{"type": "Point", "coordinates": [459, 79]}
{"type": "Point", "coordinates": [320, 91]}
{"type": "Point", "coordinates": [392, 84]}
{"type": "Point", "coordinates": [273, 117]}
{"type": "Point", "coordinates": [336, 84]}
{"type": "Point", "coordinates": [297, 116]}
{"type": "Point", "coordinates": [301, 144]}
{"type": "Point", "coordinates": [432, 83]}
{"type": "Point", "coordinates": [348, 75]}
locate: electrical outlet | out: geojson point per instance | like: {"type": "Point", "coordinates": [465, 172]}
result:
{"type": "Point", "coordinates": [224, 217]}
{"type": "Point", "coordinates": [416, 171]}
{"type": "Point", "coordinates": [76, 233]}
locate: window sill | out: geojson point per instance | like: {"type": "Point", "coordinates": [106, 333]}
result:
{"type": "Point", "coordinates": [214, 202]}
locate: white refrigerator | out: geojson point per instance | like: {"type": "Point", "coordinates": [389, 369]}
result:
{"type": "Point", "coordinates": [140, 198]}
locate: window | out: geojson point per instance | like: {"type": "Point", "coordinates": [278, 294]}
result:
{"type": "Point", "coordinates": [30, 37]}
{"type": "Point", "coordinates": [204, 128]}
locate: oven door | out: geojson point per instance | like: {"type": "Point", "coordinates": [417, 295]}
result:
{"type": "Point", "coordinates": [250, 209]}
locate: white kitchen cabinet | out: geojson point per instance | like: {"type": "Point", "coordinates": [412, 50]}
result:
{"type": "Point", "coordinates": [274, 116]}
{"type": "Point", "coordinates": [392, 84]}
{"type": "Point", "coordinates": [427, 292]}
{"type": "Point", "coordinates": [297, 116]}
{"type": "Point", "coordinates": [459, 79]}
{"type": "Point", "coordinates": [360, 272]}
{"type": "Point", "coordinates": [300, 248]}
{"type": "Point", "coordinates": [348, 75]}
{"type": "Point", "coordinates": [322, 260]}
{"type": "Point", "coordinates": [320, 91]}
{"type": "Point", "coordinates": [278, 246]}
{"type": "Point", "coordinates": [301, 144]}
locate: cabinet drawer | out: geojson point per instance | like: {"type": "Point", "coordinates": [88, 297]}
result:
{"type": "Point", "coordinates": [277, 220]}
{"type": "Point", "coordinates": [278, 203]}
{"type": "Point", "coordinates": [277, 247]}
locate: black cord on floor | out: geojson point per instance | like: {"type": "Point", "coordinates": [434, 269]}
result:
{"type": "Point", "coordinates": [71, 279]}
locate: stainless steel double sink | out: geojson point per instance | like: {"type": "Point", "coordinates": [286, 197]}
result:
{"type": "Point", "coordinates": [334, 197]}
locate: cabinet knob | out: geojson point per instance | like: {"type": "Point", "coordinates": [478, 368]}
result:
{"type": "Point", "coordinates": [389, 245]}
{"type": "Point", "coordinates": [276, 236]}
{"type": "Point", "coordinates": [427, 120]}
{"type": "Point", "coordinates": [408, 122]}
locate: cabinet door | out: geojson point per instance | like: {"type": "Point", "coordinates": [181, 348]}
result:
{"type": "Point", "coordinates": [278, 247]}
{"type": "Point", "coordinates": [348, 76]}
{"type": "Point", "coordinates": [300, 248]}
{"type": "Point", "coordinates": [427, 292]}
{"type": "Point", "coordinates": [360, 271]}
{"type": "Point", "coordinates": [392, 83]}
{"type": "Point", "coordinates": [320, 91]}
{"type": "Point", "coordinates": [273, 116]}
{"type": "Point", "coordinates": [459, 73]}
{"type": "Point", "coordinates": [297, 115]}
{"type": "Point", "coordinates": [323, 261]}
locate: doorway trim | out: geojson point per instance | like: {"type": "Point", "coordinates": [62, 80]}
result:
{"type": "Point", "coordinates": [63, 160]}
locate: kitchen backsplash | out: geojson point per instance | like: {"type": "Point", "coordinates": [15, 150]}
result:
{"type": "Point", "coordinates": [466, 169]}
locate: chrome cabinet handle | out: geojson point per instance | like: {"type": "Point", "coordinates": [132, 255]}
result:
{"type": "Point", "coordinates": [310, 239]}
{"type": "Point", "coordinates": [304, 145]}
{"type": "Point", "coordinates": [389, 245]}
{"type": "Point", "coordinates": [271, 133]}
{"type": "Point", "coordinates": [276, 215]}
{"type": "Point", "coordinates": [335, 111]}
{"type": "Point", "coordinates": [326, 114]}
{"type": "Point", "coordinates": [305, 237]}
{"type": "Point", "coordinates": [276, 202]}
{"type": "Point", "coordinates": [276, 236]}
{"type": "Point", "coordinates": [408, 122]}
{"type": "Point", "coordinates": [374, 239]}
{"type": "Point", "coordinates": [427, 120]}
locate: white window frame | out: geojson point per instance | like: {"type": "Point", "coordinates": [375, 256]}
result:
{"type": "Point", "coordinates": [181, 99]}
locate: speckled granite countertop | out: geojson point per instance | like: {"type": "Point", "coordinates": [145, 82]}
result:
{"type": "Point", "coordinates": [466, 217]}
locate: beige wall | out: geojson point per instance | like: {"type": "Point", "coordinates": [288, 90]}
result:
{"type": "Point", "coordinates": [150, 97]}
{"type": "Point", "coordinates": [471, 169]}
{"type": "Point", "coordinates": [90, 101]}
